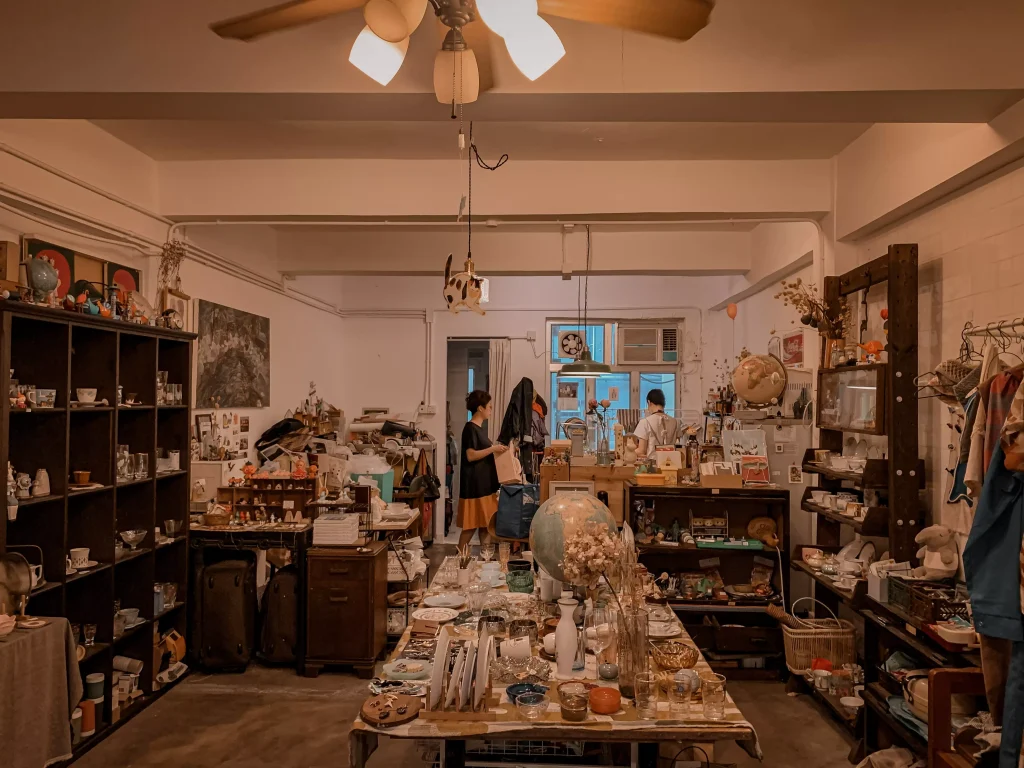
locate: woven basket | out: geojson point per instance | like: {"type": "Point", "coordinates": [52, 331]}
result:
{"type": "Point", "coordinates": [833, 639]}
{"type": "Point", "coordinates": [673, 655]}
{"type": "Point", "coordinates": [220, 517]}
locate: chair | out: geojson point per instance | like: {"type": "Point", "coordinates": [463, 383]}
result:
{"type": "Point", "coordinates": [942, 685]}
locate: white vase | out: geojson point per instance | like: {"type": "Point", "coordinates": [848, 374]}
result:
{"type": "Point", "coordinates": [565, 638]}
{"type": "Point", "coordinates": [42, 484]}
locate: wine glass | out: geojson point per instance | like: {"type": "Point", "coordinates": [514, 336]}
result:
{"type": "Point", "coordinates": [487, 552]}
{"type": "Point", "coordinates": [600, 629]}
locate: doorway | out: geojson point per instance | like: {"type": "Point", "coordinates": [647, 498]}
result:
{"type": "Point", "coordinates": [468, 369]}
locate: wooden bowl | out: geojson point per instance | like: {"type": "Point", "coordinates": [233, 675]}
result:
{"type": "Point", "coordinates": [605, 701]}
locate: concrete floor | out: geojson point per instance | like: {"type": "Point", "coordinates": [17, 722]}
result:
{"type": "Point", "coordinates": [274, 717]}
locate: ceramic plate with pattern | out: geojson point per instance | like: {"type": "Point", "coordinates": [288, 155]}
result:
{"type": "Point", "coordinates": [435, 614]}
{"type": "Point", "coordinates": [445, 600]}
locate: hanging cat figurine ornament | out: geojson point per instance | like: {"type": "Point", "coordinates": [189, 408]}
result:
{"type": "Point", "coordinates": [463, 290]}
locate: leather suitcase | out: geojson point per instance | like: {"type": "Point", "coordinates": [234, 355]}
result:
{"type": "Point", "coordinates": [279, 618]}
{"type": "Point", "coordinates": [227, 615]}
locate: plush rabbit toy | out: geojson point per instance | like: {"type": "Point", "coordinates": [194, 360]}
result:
{"type": "Point", "coordinates": [939, 556]}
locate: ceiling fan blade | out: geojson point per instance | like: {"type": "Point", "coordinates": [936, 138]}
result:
{"type": "Point", "coordinates": [478, 38]}
{"type": "Point", "coordinates": [678, 19]}
{"type": "Point", "coordinates": [284, 16]}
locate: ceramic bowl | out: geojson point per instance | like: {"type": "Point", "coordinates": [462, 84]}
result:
{"type": "Point", "coordinates": [86, 395]}
{"type": "Point", "coordinates": [605, 701]}
{"type": "Point", "coordinates": [955, 635]}
{"type": "Point", "coordinates": [852, 702]}
{"type": "Point", "coordinates": [531, 706]}
{"type": "Point", "coordinates": [818, 497]}
{"type": "Point", "coordinates": [857, 464]}
{"type": "Point", "coordinates": [518, 689]}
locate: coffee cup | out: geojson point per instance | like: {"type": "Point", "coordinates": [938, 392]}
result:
{"type": "Point", "coordinates": [79, 557]}
{"type": "Point", "coordinates": [37, 574]}
{"type": "Point", "coordinates": [81, 476]}
{"type": "Point", "coordinates": [846, 582]}
{"type": "Point", "coordinates": [854, 509]}
{"type": "Point", "coordinates": [549, 643]}
{"type": "Point", "coordinates": [818, 497]}
{"type": "Point", "coordinates": [131, 615]}
{"type": "Point", "coordinates": [94, 685]}
{"type": "Point", "coordinates": [86, 395]}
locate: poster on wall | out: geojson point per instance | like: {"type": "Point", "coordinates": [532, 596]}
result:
{"type": "Point", "coordinates": [793, 349]}
{"type": "Point", "coordinates": [568, 395]}
{"type": "Point", "coordinates": [63, 261]}
{"type": "Point", "coordinates": [125, 278]}
{"type": "Point", "coordinates": [232, 358]}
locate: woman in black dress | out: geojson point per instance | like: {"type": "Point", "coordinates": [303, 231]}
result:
{"type": "Point", "coordinates": [478, 482]}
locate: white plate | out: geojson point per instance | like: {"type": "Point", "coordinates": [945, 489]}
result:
{"type": "Point", "coordinates": [445, 600]}
{"type": "Point", "coordinates": [661, 629]}
{"type": "Point", "coordinates": [435, 614]}
{"type": "Point", "coordinates": [392, 672]}
{"type": "Point", "coordinates": [32, 623]}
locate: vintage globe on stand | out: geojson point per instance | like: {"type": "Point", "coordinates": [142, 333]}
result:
{"type": "Point", "coordinates": [760, 380]}
{"type": "Point", "coordinates": [557, 520]}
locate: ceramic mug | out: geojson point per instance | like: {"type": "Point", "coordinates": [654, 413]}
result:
{"type": "Point", "coordinates": [854, 509]}
{"type": "Point", "coordinates": [86, 395]}
{"type": "Point", "coordinates": [79, 557]}
{"type": "Point", "coordinates": [822, 456]}
{"type": "Point", "coordinates": [818, 497]}
{"type": "Point", "coordinates": [840, 503]}
{"type": "Point", "coordinates": [37, 574]}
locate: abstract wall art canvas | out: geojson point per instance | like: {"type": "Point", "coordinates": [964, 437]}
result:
{"type": "Point", "coordinates": [232, 359]}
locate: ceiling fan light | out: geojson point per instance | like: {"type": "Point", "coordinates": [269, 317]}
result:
{"type": "Point", "coordinates": [535, 47]}
{"type": "Point", "coordinates": [386, 20]}
{"type": "Point", "coordinates": [376, 58]}
{"type": "Point", "coordinates": [504, 17]}
{"type": "Point", "coordinates": [464, 87]}
{"type": "Point", "coordinates": [413, 11]}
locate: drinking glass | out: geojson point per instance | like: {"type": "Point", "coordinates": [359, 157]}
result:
{"type": "Point", "coordinates": [713, 687]}
{"type": "Point", "coordinates": [125, 469]}
{"type": "Point", "coordinates": [680, 691]}
{"type": "Point", "coordinates": [646, 695]}
{"type": "Point", "coordinates": [177, 394]}
{"type": "Point", "coordinates": [141, 466]}
{"type": "Point", "coordinates": [90, 634]}
{"type": "Point", "coordinates": [76, 631]}
{"type": "Point", "coordinates": [487, 552]}
{"type": "Point", "coordinates": [477, 596]}
{"type": "Point", "coordinates": [161, 387]}
{"type": "Point", "coordinates": [504, 552]}
{"type": "Point", "coordinates": [600, 628]}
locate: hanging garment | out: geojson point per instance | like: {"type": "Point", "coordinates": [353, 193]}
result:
{"type": "Point", "coordinates": [996, 398]}
{"type": "Point", "coordinates": [975, 426]}
{"type": "Point", "coordinates": [1013, 434]}
{"type": "Point", "coordinates": [518, 422]}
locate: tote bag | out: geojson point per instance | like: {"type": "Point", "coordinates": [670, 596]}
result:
{"type": "Point", "coordinates": [517, 505]}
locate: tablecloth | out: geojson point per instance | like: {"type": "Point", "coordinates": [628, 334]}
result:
{"type": "Point", "coordinates": [40, 686]}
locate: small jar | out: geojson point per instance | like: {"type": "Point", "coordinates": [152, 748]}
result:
{"type": "Point", "coordinates": [574, 708]}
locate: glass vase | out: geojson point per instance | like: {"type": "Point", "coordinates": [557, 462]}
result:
{"type": "Point", "coordinates": [632, 648]}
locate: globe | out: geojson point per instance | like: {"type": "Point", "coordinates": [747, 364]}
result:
{"type": "Point", "coordinates": [557, 520]}
{"type": "Point", "coordinates": [760, 379]}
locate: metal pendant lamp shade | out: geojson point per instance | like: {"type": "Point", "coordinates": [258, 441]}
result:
{"type": "Point", "coordinates": [585, 367]}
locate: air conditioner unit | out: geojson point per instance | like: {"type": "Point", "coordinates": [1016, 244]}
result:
{"type": "Point", "coordinates": [644, 345]}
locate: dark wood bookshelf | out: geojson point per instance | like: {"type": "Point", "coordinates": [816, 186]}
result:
{"type": "Point", "coordinates": [60, 350]}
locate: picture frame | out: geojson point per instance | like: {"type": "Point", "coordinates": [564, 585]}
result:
{"type": "Point", "coordinates": [204, 425]}
{"type": "Point", "coordinates": [793, 348]}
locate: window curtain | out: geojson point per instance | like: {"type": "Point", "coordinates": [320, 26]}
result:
{"type": "Point", "coordinates": [500, 379]}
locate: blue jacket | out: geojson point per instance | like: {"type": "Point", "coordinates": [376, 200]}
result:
{"type": "Point", "coordinates": [992, 554]}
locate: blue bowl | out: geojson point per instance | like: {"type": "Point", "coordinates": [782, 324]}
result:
{"type": "Point", "coordinates": [517, 689]}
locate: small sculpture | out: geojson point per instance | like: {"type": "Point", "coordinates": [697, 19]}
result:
{"type": "Point", "coordinates": [12, 491]}
{"type": "Point", "coordinates": [299, 470]}
{"type": "Point", "coordinates": [41, 487]}
{"type": "Point", "coordinates": [41, 278]}
{"type": "Point", "coordinates": [938, 555]}
{"type": "Point", "coordinates": [311, 472]}
{"type": "Point", "coordinates": [872, 350]}
{"type": "Point", "coordinates": [249, 470]}
{"type": "Point", "coordinates": [629, 452]}
{"type": "Point", "coordinates": [24, 483]}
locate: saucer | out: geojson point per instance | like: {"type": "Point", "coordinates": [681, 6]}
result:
{"type": "Point", "coordinates": [32, 623]}
{"type": "Point", "coordinates": [70, 571]}
{"type": "Point", "coordinates": [138, 622]}
{"type": "Point", "coordinates": [447, 600]}
{"type": "Point", "coordinates": [85, 566]}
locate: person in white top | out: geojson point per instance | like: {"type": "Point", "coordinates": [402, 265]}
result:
{"type": "Point", "coordinates": [657, 427]}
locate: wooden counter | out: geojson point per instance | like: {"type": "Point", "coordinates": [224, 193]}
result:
{"type": "Point", "coordinates": [611, 479]}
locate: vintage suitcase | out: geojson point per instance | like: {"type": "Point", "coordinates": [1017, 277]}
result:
{"type": "Point", "coordinates": [227, 615]}
{"type": "Point", "coordinates": [279, 617]}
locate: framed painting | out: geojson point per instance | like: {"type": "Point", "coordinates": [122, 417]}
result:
{"type": "Point", "coordinates": [125, 278]}
{"type": "Point", "coordinates": [232, 358]}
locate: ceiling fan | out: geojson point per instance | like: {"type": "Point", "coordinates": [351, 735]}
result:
{"type": "Point", "coordinates": [462, 68]}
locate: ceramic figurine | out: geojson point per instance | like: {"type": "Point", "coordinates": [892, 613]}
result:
{"type": "Point", "coordinates": [311, 472]}
{"type": "Point", "coordinates": [41, 278]}
{"type": "Point", "coordinates": [249, 470]}
{"type": "Point", "coordinates": [299, 470]}
{"type": "Point", "coordinates": [24, 483]}
{"type": "Point", "coordinates": [12, 491]}
{"type": "Point", "coordinates": [629, 452]}
{"type": "Point", "coordinates": [41, 487]}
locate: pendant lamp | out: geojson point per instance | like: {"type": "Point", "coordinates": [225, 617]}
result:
{"type": "Point", "coordinates": [584, 366]}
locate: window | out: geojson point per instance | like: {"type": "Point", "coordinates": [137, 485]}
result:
{"type": "Point", "coordinates": [595, 340]}
{"type": "Point", "coordinates": [626, 387]}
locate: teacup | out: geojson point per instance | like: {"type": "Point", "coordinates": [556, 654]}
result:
{"type": "Point", "coordinates": [131, 615]}
{"type": "Point", "coordinates": [86, 395]}
{"type": "Point", "coordinates": [846, 582]}
{"type": "Point", "coordinates": [840, 503]}
{"type": "Point", "coordinates": [818, 497]}
{"type": "Point", "coordinates": [851, 567]}
{"type": "Point", "coordinates": [79, 557]}
{"type": "Point", "coordinates": [829, 502]}
{"type": "Point", "coordinates": [822, 456]}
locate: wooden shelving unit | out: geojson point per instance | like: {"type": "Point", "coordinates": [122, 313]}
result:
{"type": "Point", "coordinates": [65, 351]}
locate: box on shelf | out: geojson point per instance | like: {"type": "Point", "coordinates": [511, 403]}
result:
{"type": "Point", "coordinates": [721, 481]}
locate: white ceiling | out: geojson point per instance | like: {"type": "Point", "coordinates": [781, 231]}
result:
{"type": "Point", "coordinates": [289, 139]}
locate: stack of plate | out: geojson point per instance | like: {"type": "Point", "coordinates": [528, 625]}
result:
{"type": "Point", "coordinates": [335, 530]}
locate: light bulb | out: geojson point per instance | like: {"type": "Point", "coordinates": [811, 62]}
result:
{"type": "Point", "coordinates": [378, 58]}
{"type": "Point", "coordinates": [504, 17]}
{"type": "Point", "coordinates": [386, 20]}
{"type": "Point", "coordinates": [535, 47]}
{"type": "Point", "coordinates": [456, 77]}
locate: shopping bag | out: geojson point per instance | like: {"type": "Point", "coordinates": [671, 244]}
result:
{"type": "Point", "coordinates": [510, 470]}
{"type": "Point", "coordinates": [517, 504]}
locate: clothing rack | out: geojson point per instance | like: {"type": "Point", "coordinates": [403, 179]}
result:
{"type": "Point", "coordinates": [1004, 329]}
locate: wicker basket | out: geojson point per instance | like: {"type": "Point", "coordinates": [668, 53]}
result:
{"type": "Point", "coordinates": [673, 655]}
{"type": "Point", "coordinates": [833, 639]}
{"type": "Point", "coordinates": [217, 516]}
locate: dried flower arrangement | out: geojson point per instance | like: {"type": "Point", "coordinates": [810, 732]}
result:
{"type": "Point", "coordinates": [172, 255]}
{"type": "Point", "coordinates": [589, 552]}
{"type": "Point", "coordinates": [813, 311]}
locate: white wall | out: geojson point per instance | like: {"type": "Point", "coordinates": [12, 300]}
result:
{"type": "Point", "coordinates": [971, 251]}
{"type": "Point", "coordinates": [395, 348]}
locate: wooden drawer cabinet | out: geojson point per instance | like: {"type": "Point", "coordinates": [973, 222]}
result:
{"type": "Point", "coordinates": [346, 617]}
